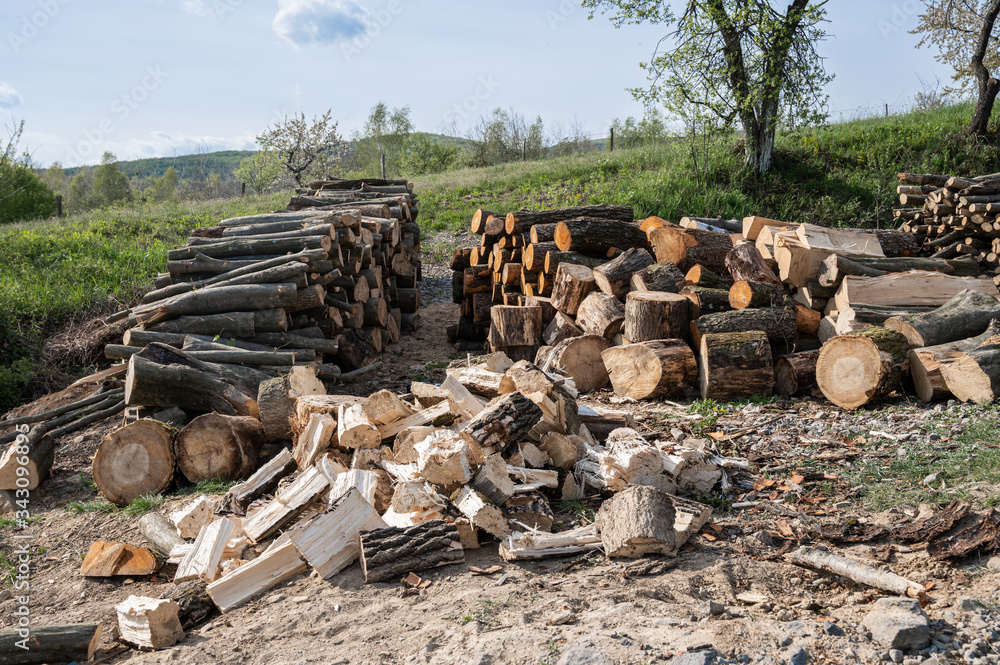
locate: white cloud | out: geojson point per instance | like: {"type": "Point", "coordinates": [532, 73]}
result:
{"type": "Point", "coordinates": [318, 22]}
{"type": "Point", "coordinates": [195, 8]}
{"type": "Point", "coordinates": [9, 97]}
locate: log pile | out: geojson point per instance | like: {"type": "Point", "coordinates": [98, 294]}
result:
{"type": "Point", "coordinates": [655, 309]}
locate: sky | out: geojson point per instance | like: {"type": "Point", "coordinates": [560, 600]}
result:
{"type": "Point", "coordinates": [147, 78]}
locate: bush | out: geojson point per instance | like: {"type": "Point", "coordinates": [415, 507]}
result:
{"type": "Point", "coordinates": [30, 197]}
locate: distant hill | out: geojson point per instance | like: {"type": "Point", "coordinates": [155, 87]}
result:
{"type": "Point", "coordinates": [195, 167]}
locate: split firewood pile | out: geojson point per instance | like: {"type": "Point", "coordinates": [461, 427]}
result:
{"type": "Point", "coordinates": [737, 308]}
{"type": "Point", "coordinates": [250, 310]}
{"type": "Point", "coordinates": [954, 217]}
{"type": "Point", "coordinates": [401, 483]}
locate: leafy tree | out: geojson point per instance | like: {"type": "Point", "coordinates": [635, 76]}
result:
{"type": "Point", "coordinates": [505, 136]}
{"type": "Point", "coordinates": [425, 155]}
{"type": "Point", "coordinates": [110, 184]}
{"type": "Point", "coordinates": [79, 194]}
{"type": "Point", "coordinates": [386, 132]}
{"type": "Point", "coordinates": [23, 194]}
{"type": "Point", "coordinates": [307, 149]}
{"type": "Point", "coordinates": [260, 170]}
{"type": "Point", "coordinates": [165, 187]}
{"type": "Point", "coordinates": [964, 32]}
{"type": "Point", "coordinates": [55, 178]}
{"type": "Point", "coordinates": [741, 61]}
{"type": "Point", "coordinates": [632, 133]}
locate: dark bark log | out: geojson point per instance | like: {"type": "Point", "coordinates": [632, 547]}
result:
{"type": "Point", "coordinates": [614, 277]}
{"type": "Point", "coordinates": [355, 351]}
{"type": "Point", "coordinates": [663, 276]}
{"type": "Point", "coordinates": [706, 301]}
{"type": "Point", "coordinates": [835, 268]}
{"type": "Point", "coordinates": [52, 644]}
{"type": "Point", "coordinates": [655, 315]}
{"type": "Point", "coordinates": [966, 315]}
{"type": "Point", "coordinates": [515, 326]}
{"type": "Point", "coordinates": [745, 263]}
{"type": "Point", "coordinates": [240, 247]}
{"type": "Point", "coordinates": [795, 373]}
{"type": "Point", "coordinates": [224, 299]}
{"type": "Point", "coordinates": [504, 424]}
{"type": "Point", "coordinates": [735, 365]}
{"type": "Point", "coordinates": [389, 554]}
{"type": "Point", "coordinates": [600, 314]}
{"type": "Point", "coordinates": [744, 295]}
{"type": "Point", "coordinates": [595, 236]}
{"type": "Point", "coordinates": [522, 220]}
{"type": "Point", "coordinates": [778, 323]}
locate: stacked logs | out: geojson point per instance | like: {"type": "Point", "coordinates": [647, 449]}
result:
{"type": "Point", "coordinates": [372, 197]}
{"type": "Point", "coordinates": [953, 217]}
{"type": "Point", "coordinates": [655, 309]}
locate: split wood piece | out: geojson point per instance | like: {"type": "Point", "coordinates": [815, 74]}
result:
{"type": "Point", "coordinates": [427, 394]}
{"type": "Point", "coordinates": [134, 461]}
{"type": "Point", "coordinates": [631, 460]}
{"type": "Point", "coordinates": [533, 479]}
{"type": "Point", "coordinates": [806, 320]}
{"type": "Point", "coordinates": [687, 248]}
{"type": "Point", "coordinates": [64, 643]}
{"type": "Point", "coordinates": [801, 252]}
{"type": "Point", "coordinates": [160, 533]}
{"type": "Point", "coordinates": [149, 623]}
{"type": "Point", "coordinates": [478, 380]}
{"type": "Point", "coordinates": [278, 564]}
{"type": "Point", "coordinates": [354, 430]}
{"type": "Point", "coordinates": [662, 276]}
{"type": "Point", "coordinates": [636, 522]}
{"type": "Point", "coordinates": [917, 288]}
{"type": "Point", "coordinates": [149, 383]}
{"type": "Point", "coordinates": [746, 263]}
{"type": "Point", "coordinates": [111, 559]}
{"type": "Point", "coordinates": [600, 314]}
{"type": "Point", "coordinates": [752, 226]}
{"type": "Point", "coordinates": [974, 376]}
{"type": "Point", "coordinates": [795, 373]}
{"type": "Point", "coordinates": [205, 556]}
{"type": "Point", "coordinates": [564, 450]}
{"type": "Point", "coordinates": [778, 323]}
{"type": "Point", "coordinates": [653, 315]}
{"type": "Point", "coordinates": [735, 365]}
{"type": "Point", "coordinates": [366, 482]}
{"type": "Point", "coordinates": [502, 425]}
{"type": "Point", "coordinates": [276, 400]}
{"type": "Point", "coordinates": [307, 405]}
{"type": "Point", "coordinates": [857, 572]}
{"type": "Point", "coordinates": [538, 545]}
{"type": "Point", "coordinates": [862, 368]}
{"type": "Point", "coordinates": [331, 541]}
{"type": "Point", "coordinates": [651, 369]}
{"type": "Point", "coordinates": [743, 295]}
{"type": "Point", "coordinates": [614, 278]}
{"type": "Point", "coordinates": [443, 458]}
{"type": "Point", "coordinates": [224, 299]}
{"type": "Point", "coordinates": [216, 446]}
{"type": "Point", "coordinates": [314, 440]}
{"type": "Point", "coordinates": [926, 364]}
{"type": "Point", "coordinates": [388, 554]}
{"type": "Point", "coordinates": [835, 267]}
{"type": "Point", "coordinates": [689, 517]}
{"type": "Point", "coordinates": [706, 301]}
{"type": "Point", "coordinates": [194, 515]}
{"type": "Point", "coordinates": [515, 326]}
{"type": "Point", "coordinates": [385, 407]}
{"type": "Point", "coordinates": [481, 512]}
{"type": "Point", "coordinates": [355, 351]}
{"type": "Point", "coordinates": [523, 220]}
{"type": "Point", "coordinates": [492, 480]}
{"type": "Point", "coordinates": [967, 314]}
{"type": "Point", "coordinates": [429, 415]}
{"type": "Point", "coordinates": [702, 276]}
{"type": "Point", "coordinates": [529, 511]}
{"type": "Point", "coordinates": [286, 505]}
{"type": "Point", "coordinates": [264, 481]}
{"type": "Point", "coordinates": [561, 327]}
{"type": "Point", "coordinates": [578, 358]}
{"type": "Point", "coordinates": [571, 286]}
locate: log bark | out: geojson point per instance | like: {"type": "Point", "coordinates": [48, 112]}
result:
{"type": "Point", "coordinates": [662, 276]}
{"type": "Point", "coordinates": [967, 314]}
{"type": "Point", "coordinates": [795, 373]}
{"type": "Point", "coordinates": [686, 248]}
{"type": "Point", "coordinates": [656, 315]}
{"type": "Point", "coordinates": [578, 358]}
{"type": "Point", "coordinates": [523, 220]}
{"type": "Point", "coordinates": [863, 368]}
{"type": "Point", "coordinates": [231, 324]}
{"type": "Point", "coordinates": [778, 323]}
{"type": "Point", "coordinates": [600, 314]}
{"type": "Point", "coordinates": [149, 383]}
{"type": "Point", "coordinates": [134, 461]}
{"type": "Point", "coordinates": [515, 326]}
{"type": "Point", "coordinates": [744, 295]}
{"type": "Point", "coordinates": [747, 264]}
{"type": "Point", "coordinates": [52, 644]}
{"type": "Point", "coordinates": [388, 554]}
{"type": "Point", "coordinates": [835, 267]}
{"type": "Point", "coordinates": [502, 425]}
{"type": "Point", "coordinates": [534, 255]}
{"type": "Point", "coordinates": [651, 369]}
{"type": "Point", "coordinates": [216, 446]}
{"type": "Point", "coordinates": [857, 572]}
{"type": "Point", "coordinates": [555, 259]}
{"type": "Point", "coordinates": [572, 284]}
{"type": "Point", "coordinates": [614, 278]}
{"type": "Point", "coordinates": [706, 301]}
{"type": "Point", "coordinates": [276, 400]}
{"type": "Point", "coordinates": [735, 365]}
{"type": "Point", "coordinates": [702, 276]}
{"type": "Point", "coordinates": [595, 236]}
{"type": "Point", "coordinates": [561, 327]}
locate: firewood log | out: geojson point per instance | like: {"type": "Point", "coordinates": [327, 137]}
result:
{"type": "Point", "coordinates": [967, 314]}
{"type": "Point", "coordinates": [778, 323]}
{"type": "Point", "coordinates": [744, 295]}
{"type": "Point", "coordinates": [160, 533]}
{"type": "Point", "coordinates": [654, 315]}
{"type": "Point", "coordinates": [917, 288]}
{"type": "Point", "coordinates": [561, 327]}
{"type": "Point", "coordinates": [149, 383]}
{"type": "Point", "coordinates": [795, 373]}
{"type": "Point", "coordinates": [240, 247]}
{"type": "Point", "coordinates": [651, 369]}
{"type": "Point", "coordinates": [390, 553]}
{"type": "Point", "coordinates": [502, 425]}
{"type": "Point", "coordinates": [752, 226]}
{"type": "Point", "coordinates": [663, 276]}
{"type": "Point", "coordinates": [134, 461]}
{"type": "Point", "coordinates": [686, 248]}
{"type": "Point", "coordinates": [355, 351]}
{"type": "Point", "coordinates": [217, 446]}
{"type": "Point", "coordinates": [595, 236]}
{"type": "Point", "coordinates": [276, 400]}
{"type": "Point", "coordinates": [554, 259]}
{"type": "Point", "coordinates": [522, 220]}
{"type": "Point", "coordinates": [515, 326]}
{"type": "Point", "coordinates": [735, 365]}
{"type": "Point", "coordinates": [862, 368]}
{"type": "Point", "coordinates": [600, 314]}
{"type": "Point", "coordinates": [264, 481]}
{"type": "Point", "coordinates": [636, 522]}
{"type": "Point", "coordinates": [835, 268]}
{"type": "Point", "coordinates": [701, 276]}
{"type": "Point", "coordinates": [745, 263]}
{"type": "Point", "coordinates": [578, 358]}
{"type": "Point", "coordinates": [224, 299]}
{"type": "Point", "coordinates": [572, 284]}
{"type": "Point", "coordinates": [614, 277]}
{"type": "Point", "coordinates": [63, 643]}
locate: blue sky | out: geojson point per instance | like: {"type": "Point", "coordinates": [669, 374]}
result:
{"type": "Point", "coordinates": [146, 78]}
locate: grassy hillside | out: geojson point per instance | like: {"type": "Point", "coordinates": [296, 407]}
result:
{"type": "Point", "coordinates": [196, 167]}
{"type": "Point", "coordinates": [844, 174]}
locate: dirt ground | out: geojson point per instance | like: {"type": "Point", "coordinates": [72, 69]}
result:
{"type": "Point", "coordinates": [570, 610]}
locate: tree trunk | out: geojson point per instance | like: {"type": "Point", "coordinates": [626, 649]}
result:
{"type": "Point", "coordinates": [515, 326]}
{"type": "Point", "coordinates": [966, 315]}
{"type": "Point", "coordinates": [600, 314]}
{"type": "Point", "coordinates": [746, 295]}
{"type": "Point", "coordinates": [795, 373]}
{"type": "Point", "coordinates": [388, 554]}
{"type": "Point", "coordinates": [653, 315]}
{"type": "Point", "coordinates": [572, 284]}
{"type": "Point", "coordinates": [216, 446]}
{"type": "Point", "coordinates": [735, 365]}
{"type": "Point", "coordinates": [578, 358]}
{"type": "Point", "coordinates": [987, 84]}
{"type": "Point", "coordinates": [595, 237]}
{"type": "Point", "coordinates": [663, 276]}
{"type": "Point", "coordinates": [615, 276]}
{"type": "Point", "coordinates": [523, 220]}
{"type": "Point", "coordinates": [862, 368]}
{"type": "Point", "coordinates": [686, 248]}
{"type": "Point", "coordinates": [652, 369]}
{"type": "Point", "coordinates": [134, 461]}
{"type": "Point", "coordinates": [778, 323]}
{"type": "Point", "coordinates": [745, 263]}
{"type": "Point", "coordinates": [52, 644]}
{"type": "Point", "coordinates": [223, 299]}
{"type": "Point", "coordinates": [148, 383]}
{"type": "Point", "coordinates": [636, 522]}
{"type": "Point", "coordinates": [276, 400]}
{"type": "Point", "coordinates": [835, 267]}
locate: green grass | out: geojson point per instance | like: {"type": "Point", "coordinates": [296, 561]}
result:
{"type": "Point", "coordinates": [139, 506]}
{"type": "Point", "coordinates": [214, 486]}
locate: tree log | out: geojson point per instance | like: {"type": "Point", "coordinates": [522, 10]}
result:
{"type": "Point", "coordinates": [862, 368]}
{"type": "Point", "coordinates": [974, 376]}
{"type": "Point", "coordinates": [857, 572]}
{"type": "Point", "coordinates": [778, 323]}
{"type": "Point", "coordinates": [502, 425]}
{"type": "Point", "coordinates": [662, 276]}
{"type": "Point", "coordinates": [134, 461]}
{"type": "Point", "coordinates": [744, 295]}
{"type": "Point", "coordinates": [578, 358]}
{"type": "Point", "coordinates": [572, 284]}
{"type": "Point", "coordinates": [264, 481]}
{"type": "Point", "coordinates": [967, 314]}
{"type": "Point", "coordinates": [355, 351]}
{"type": "Point", "coordinates": [515, 326]}
{"type": "Point", "coordinates": [534, 255]}
{"type": "Point", "coordinates": [835, 268]}
{"type": "Point", "coordinates": [51, 644]}
{"type": "Point", "coordinates": [653, 315]}
{"type": "Point", "coordinates": [926, 364]}
{"type": "Point", "coordinates": [595, 236]}
{"type": "Point", "coordinates": [159, 532]}
{"type": "Point", "coordinates": [240, 247]}
{"type": "Point", "coordinates": [388, 554]}
{"type": "Point", "coordinates": [795, 373]}
{"type": "Point", "coordinates": [148, 383]}
{"type": "Point", "coordinates": [561, 327]}
{"type": "Point", "coordinates": [747, 264]}
{"type": "Point", "coordinates": [215, 446]}
{"type": "Point", "coordinates": [735, 365]}
{"type": "Point", "coordinates": [614, 277]}
{"type": "Point", "coordinates": [223, 299]}
{"type": "Point", "coordinates": [276, 400]}
{"type": "Point", "coordinates": [600, 314]}
{"type": "Point", "coordinates": [706, 301]}
{"type": "Point", "coordinates": [701, 276]}
{"type": "Point", "coordinates": [651, 369]}
{"type": "Point", "coordinates": [686, 248]}
{"type": "Point", "coordinates": [636, 522]}
{"type": "Point", "coordinates": [523, 220]}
